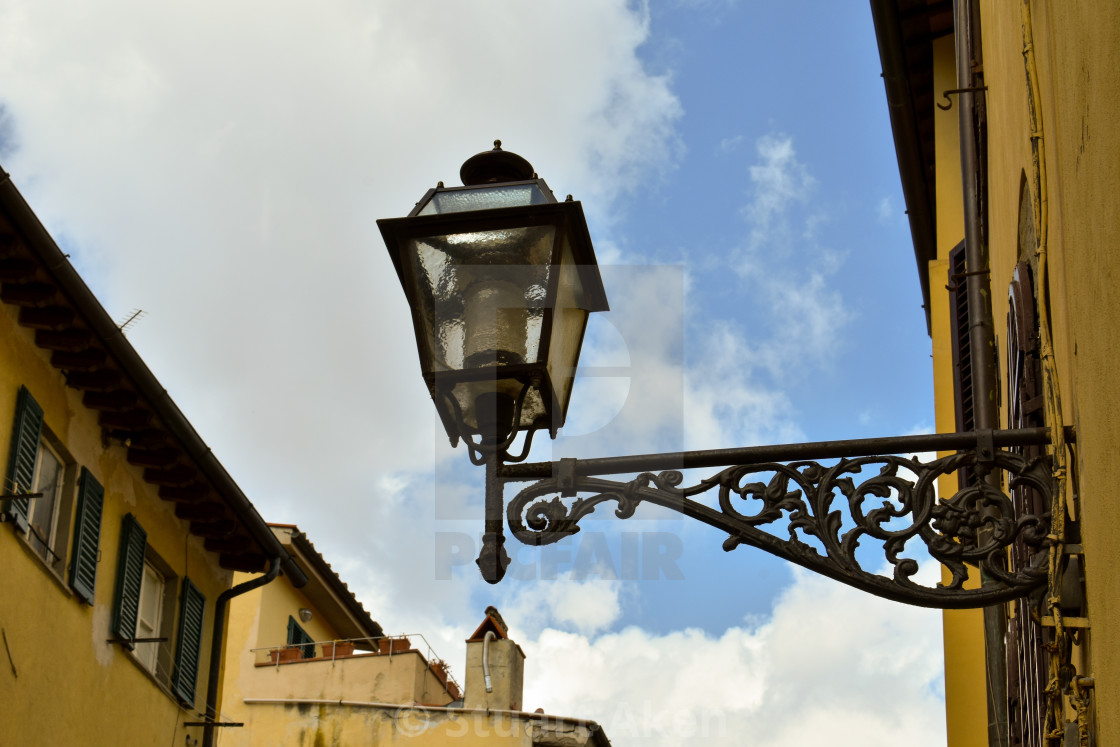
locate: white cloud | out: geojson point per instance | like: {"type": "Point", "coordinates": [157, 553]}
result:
{"type": "Point", "coordinates": [786, 268]}
{"type": "Point", "coordinates": [729, 144]}
{"type": "Point", "coordinates": [884, 210]}
{"type": "Point", "coordinates": [221, 167]}
{"type": "Point", "coordinates": [726, 400]}
{"type": "Point", "coordinates": [812, 314]}
{"type": "Point", "coordinates": [587, 607]}
{"type": "Point", "coordinates": [631, 369]}
{"type": "Point", "coordinates": [653, 379]}
{"type": "Point", "coordinates": [779, 182]}
{"type": "Point", "coordinates": [832, 666]}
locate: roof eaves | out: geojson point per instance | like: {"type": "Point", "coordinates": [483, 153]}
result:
{"type": "Point", "coordinates": [320, 565]}
{"type": "Point", "coordinates": [70, 284]}
{"type": "Point", "coordinates": [914, 168]}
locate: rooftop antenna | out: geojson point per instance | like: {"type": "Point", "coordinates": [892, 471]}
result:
{"type": "Point", "coordinates": [137, 314]}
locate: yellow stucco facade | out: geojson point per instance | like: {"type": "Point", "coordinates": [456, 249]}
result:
{"type": "Point", "coordinates": [1075, 48]}
{"type": "Point", "coordinates": [385, 690]}
{"type": "Point", "coordinates": [55, 656]}
{"type": "Point", "coordinates": [1052, 162]}
{"type": "Point", "coordinates": [257, 673]}
{"type": "Point", "coordinates": [380, 725]}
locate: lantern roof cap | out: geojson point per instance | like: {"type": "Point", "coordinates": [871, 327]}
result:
{"type": "Point", "coordinates": [494, 166]}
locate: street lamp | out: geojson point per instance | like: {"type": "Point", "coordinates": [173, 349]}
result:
{"type": "Point", "coordinates": [501, 279]}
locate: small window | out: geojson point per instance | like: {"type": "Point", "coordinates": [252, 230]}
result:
{"type": "Point", "coordinates": [297, 636]}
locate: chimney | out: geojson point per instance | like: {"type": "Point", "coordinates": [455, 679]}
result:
{"type": "Point", "coordinates": [495, 672]}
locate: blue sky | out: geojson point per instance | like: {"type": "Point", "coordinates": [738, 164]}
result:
{"type": "Point", "coordinates": [221, 166]}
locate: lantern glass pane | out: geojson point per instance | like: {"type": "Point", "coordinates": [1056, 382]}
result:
{"type": "Point", "coordinates": [569, 320]}
{"type": "Point", "coordinates": [484, 294]}
{"type": "Point", "coordinates": [484, 198]}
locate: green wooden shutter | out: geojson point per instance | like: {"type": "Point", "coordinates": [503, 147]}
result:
{"type": "Point", "coordinates": [26, 431]}
{"type": "Point", "coordinates": [130, 574]}
{"type": "Point", "coordinates": [87, 535]}
{"type": "Point", "coordinates": [188, 648]}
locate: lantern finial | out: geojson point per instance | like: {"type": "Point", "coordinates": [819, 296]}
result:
{"type": "Point", "coordinates": [494, 166]}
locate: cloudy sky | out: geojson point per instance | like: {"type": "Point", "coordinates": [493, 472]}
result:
{"type": "Point", "coordinates": [221, 166]}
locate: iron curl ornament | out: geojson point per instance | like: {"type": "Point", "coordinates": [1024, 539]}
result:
{"type": "Point", "coordinates": [888, 498]}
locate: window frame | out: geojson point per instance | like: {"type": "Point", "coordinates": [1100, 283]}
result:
{"type": "Point", "coordinates": [45, 542]}
{"type": "Point", "coordinates": [149, 654]}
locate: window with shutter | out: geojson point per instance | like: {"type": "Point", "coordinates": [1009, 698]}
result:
{"type": "Point", "coordinates": [130, 576]}
{"type": "Point", "coordinates": [297, 636]}
{"type": "Point", "coordinates": [145, 598]}
{"type": "Point", "coordinates": [87, 536]}
{"type": "Point", "coordinates": [188, 649]}
{"type": "Point", "coordinates": [962, 349]}
{"type": "Point", "coordinates": [40, 466]}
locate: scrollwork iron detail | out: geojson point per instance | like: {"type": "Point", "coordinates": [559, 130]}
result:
{"type": "Point", "coordinates": [895, 506]}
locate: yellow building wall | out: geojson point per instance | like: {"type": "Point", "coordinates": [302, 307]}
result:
{"type": "Point", "coordinates": [313, 724]}
{"type": "Point", "coordinates": [1077, 53]}
{"type": "Point", "coordinates": [947, 159]}
{"type": "Point", "coordinates": [61, 683]}
{"type": "Point", "coordinates": [1076, 48]}
{"type": "Point", "coordinates": [259, 620]}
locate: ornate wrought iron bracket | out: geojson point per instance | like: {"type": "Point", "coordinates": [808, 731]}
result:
{"type": "Point", "coordinates": [825, 510]}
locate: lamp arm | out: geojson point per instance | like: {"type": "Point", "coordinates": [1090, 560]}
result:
{"type": "Point", "coordinates": [827, 510]}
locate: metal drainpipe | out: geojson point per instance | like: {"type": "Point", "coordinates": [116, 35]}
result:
{"type": "Point", "coordinates": [216, 645]}
{"type": "Point", "coordinates": [982, 344]}
{"type": "Point", "coordinates": [486, 660]}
